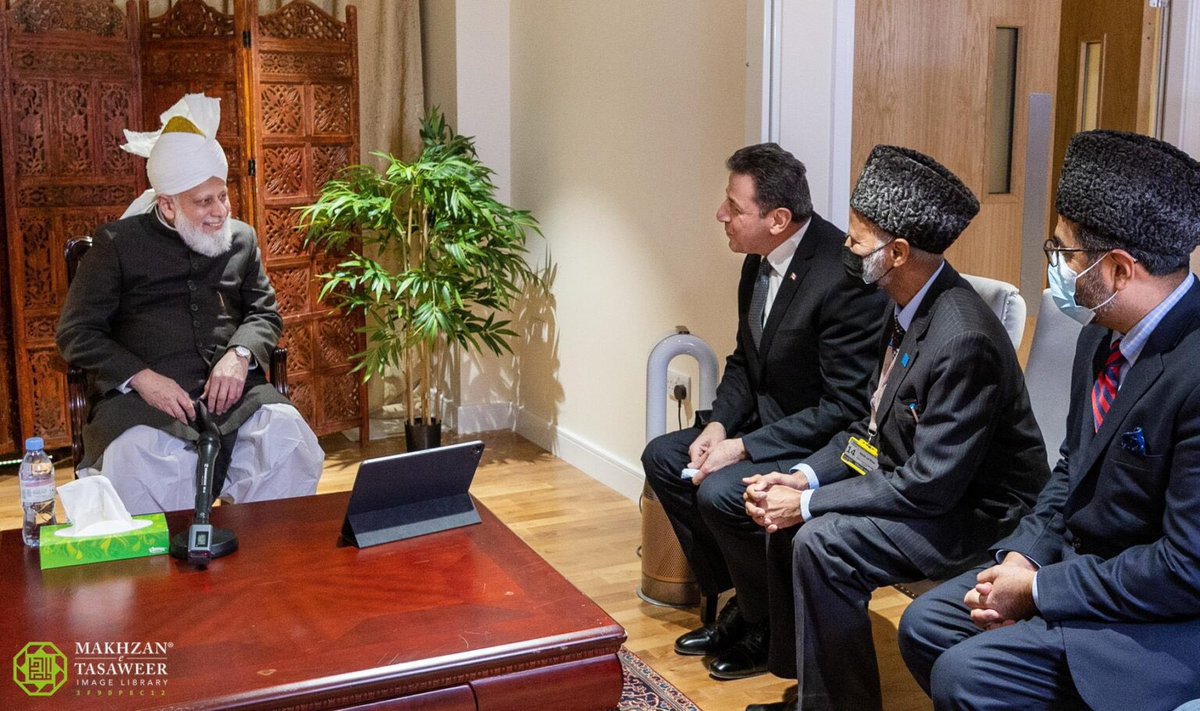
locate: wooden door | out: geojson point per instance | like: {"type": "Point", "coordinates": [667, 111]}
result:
{"type": "Point", "coordinates": [1108, 62]}
{"type": "Point", "coordinates": [303, 87]}
{"type": "Point", "coordinates": [68, 86]}
{"type": "Point", "coordinates": [953, 80]}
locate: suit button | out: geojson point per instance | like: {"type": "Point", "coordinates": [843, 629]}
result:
{"type": "Point", "coordinates": [196, 323]}
{"type": "Point", "coordinates": [1076, 543]}
{"type": "Point", "coordinates": [195, 307]}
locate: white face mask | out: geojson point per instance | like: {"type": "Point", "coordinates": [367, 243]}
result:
{"type": "Point", "coordinates": [1062, 289]}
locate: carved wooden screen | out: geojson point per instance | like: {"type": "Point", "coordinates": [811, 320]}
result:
{"type": "Point", "coordinates": [304, 89]}
{"type": "Point", "coordinates": [69, 85]}
{"type": "Point", "coordinates": [8, 401]}
{"type": "Point", "coordinates": [189, 49]}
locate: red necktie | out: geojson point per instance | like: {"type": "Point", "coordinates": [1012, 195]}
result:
{"type": "Point", "coordinates": [1105, 389]}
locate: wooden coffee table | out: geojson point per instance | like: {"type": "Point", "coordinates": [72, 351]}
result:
{"type": "Point", "coordinates": [465, 619]}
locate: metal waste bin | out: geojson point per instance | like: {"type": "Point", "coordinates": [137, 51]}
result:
{"type": "Point", "coordinates": [667, 578]}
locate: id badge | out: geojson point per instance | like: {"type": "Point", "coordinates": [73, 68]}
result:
{"type": "Point", "coordinates": [861, 456]}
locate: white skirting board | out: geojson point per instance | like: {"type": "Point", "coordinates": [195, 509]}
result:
{"type": "Point", "coordinates": [484, 417]}
{"type": "Point", "coordinates": [624, 478]}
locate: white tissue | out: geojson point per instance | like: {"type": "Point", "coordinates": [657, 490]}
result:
{"type": "Point", "coordinates": [94, 509]}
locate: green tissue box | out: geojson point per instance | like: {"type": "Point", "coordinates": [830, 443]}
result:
{"type": "Point", "coordinates": [60, 552]}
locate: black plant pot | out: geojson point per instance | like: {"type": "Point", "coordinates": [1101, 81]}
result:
{"type": "Point", "coordinates": [420, 435]}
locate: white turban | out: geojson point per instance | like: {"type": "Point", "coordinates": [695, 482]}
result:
{"type": "Point", "coordinates": [183, 153]}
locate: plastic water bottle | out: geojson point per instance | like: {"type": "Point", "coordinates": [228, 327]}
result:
{"type": "Point", "coordinates": [37, 490]}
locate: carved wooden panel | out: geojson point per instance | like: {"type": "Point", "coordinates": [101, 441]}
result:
{"type": "Point", "coordinates": [280, 233]}
{"type": "Point", "coordinates": [304, 86]}
{"type": "Point", "coordinates": [69, 82]}
{"type": "Point", "coordinates": [193, 48]}
{"type": "Point", "coordinates": [74, 74]}
{"type": "Point", "coordinates": [10, 436]}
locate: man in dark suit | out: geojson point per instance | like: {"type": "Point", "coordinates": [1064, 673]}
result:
{"type": "Point", "coordinates": [807, 336]}
{"type": "Point", "coordinates": [1095, 598]}
{"type": "Point", "coordinates": [948, 458]}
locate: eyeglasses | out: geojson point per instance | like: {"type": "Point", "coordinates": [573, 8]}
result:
{"type": "Point", "coordinates": [1053, 247]}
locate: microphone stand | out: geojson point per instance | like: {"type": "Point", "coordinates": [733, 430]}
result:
{"type": "Point", "coordinates": [202, 542]}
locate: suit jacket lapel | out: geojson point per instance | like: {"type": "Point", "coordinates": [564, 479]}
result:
{"type": "Point", "coordinates": [792, 278]}
{"type": "Point", "coordinates": [1138, 380]}
{"type": "Point", "coordinates": [910, 346]}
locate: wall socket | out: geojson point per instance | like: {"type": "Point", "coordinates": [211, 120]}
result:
{"type": "Point", "coordinates": [674, 378]}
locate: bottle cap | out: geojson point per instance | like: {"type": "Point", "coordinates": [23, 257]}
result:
{"type": "Point", "coordinates": [34, 443]}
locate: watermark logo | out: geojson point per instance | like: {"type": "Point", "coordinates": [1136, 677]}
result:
{"type": "Point", "coordinates": [40, 669]}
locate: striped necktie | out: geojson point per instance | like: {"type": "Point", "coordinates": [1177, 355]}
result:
{"type": "Point", "coordinates": [1105, 389]}
{"type": "Point", "coordinates": [758, 300]}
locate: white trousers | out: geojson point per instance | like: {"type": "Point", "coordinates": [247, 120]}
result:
{"type": "Point", "coordinates": [276, 457]}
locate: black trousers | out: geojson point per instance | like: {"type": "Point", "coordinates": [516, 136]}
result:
{"type": "Point", "coordinates": [827, 569]}
{"type": "Point", "coordinates": [723, 545]}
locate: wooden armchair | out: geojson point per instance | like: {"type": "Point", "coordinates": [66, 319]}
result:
{"type": "Point", "coordinates": [77, 404]}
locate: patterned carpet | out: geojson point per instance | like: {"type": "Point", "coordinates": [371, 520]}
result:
{"type": "Point", "coordinates": [645, 690]}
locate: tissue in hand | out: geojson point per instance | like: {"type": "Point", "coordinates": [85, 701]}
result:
{"type": "Point", "coordinates": [94, 509]}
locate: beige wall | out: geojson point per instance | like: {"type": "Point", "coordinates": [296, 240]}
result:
{"type": "Point", "coordinates": [623, 113]}
{"type": "Point", "coordinates": [438, 44]}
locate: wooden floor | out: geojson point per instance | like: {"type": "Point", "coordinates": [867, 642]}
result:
{"type": "Point", "coordinates": [590, 534]}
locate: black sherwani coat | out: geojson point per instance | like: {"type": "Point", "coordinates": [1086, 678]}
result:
{"type": "Point", "coordinates": [141, 298]}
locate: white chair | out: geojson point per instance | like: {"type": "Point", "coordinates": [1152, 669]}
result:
{"type": "Point", "coordinates": [1005, 300]}
{"type": "Point", "coordinates": [1048, 372]}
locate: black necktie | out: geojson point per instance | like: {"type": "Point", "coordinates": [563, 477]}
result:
{"type": "Point", "coordinates": [758, 300]}
{"type": "Point", "coordinates": [897, 333]}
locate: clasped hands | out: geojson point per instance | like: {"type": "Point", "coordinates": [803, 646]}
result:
{"type": "Point", "coordinates": [711, 451]}
{"type": "Point", "coordinates": [222, 390]}
{"type": "Point", "coordinates": [773, 500]}
{"type": "Point", "coordinates": [1003, 594]}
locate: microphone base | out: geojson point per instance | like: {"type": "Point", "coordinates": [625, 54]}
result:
{"type": "Point", "coordinates": [224, 542]}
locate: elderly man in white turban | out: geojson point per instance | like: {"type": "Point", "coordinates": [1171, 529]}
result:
{"type": "Point", "coordinates": [171, 305]}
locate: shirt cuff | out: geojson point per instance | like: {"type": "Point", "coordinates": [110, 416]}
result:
{"type": "Point", "coordinates": [124, 388]}
{"type": "Point", "coordinates": [1002, 553]}
{"type": "Point", "coordinates": [805, 497]}
{"type": "Point", "coordinates": [810, 474]}
{"type": "Point", "coordinates": [1035, 592]}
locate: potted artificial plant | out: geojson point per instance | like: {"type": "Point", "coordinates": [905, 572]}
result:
{"type": "Point", "coordinates": [431, 259]}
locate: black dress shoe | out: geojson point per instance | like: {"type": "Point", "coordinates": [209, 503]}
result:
{"type": "Point", "coordinates": [746, 658]}
{"type": "Point", "coordinates": [715, 636]}
{"type": "Point", "coordinates": [777, 706]}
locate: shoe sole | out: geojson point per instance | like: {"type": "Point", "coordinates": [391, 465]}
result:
{"type": "Point", "coordinates": [683, 653]}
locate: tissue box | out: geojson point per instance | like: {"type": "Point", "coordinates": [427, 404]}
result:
{"type": "Point", "coordinates": [60, 552]}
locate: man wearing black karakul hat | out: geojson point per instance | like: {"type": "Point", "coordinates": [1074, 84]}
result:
{"type": "Point", "coordinates": [1095, 601]}
{"type": "Point", "coordinates": [948, 460]}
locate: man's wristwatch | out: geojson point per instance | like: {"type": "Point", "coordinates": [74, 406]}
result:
{"type": "Point", "coordinates": [242, 352]}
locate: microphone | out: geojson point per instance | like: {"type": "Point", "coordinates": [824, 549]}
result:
{"type": "Point", "coordinates": [203, 542]}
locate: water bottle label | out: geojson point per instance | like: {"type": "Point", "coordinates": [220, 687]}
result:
{"type": "Point", "coordinates": [36, 493]}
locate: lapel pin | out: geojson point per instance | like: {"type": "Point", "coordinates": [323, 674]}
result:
{"type": "Point", "coordinates": [792, 276]}
{"type": "Point", "coordinates": [904, 361]}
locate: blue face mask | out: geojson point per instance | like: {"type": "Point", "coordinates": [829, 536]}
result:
{"type": "Point", "coordinates": [1062, 289]}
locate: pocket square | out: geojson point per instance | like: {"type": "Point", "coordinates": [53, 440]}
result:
{"type": "Point", "coordinates": [1134, 441]}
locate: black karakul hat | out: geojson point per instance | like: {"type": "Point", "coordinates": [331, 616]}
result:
{"type": "Point", "coordinates": [911, 195]}
{"type": "Point", "coordinates": [1135, 190]}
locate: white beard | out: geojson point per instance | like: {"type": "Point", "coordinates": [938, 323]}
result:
{"type": "Point", "coordinates": [193, 235]}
